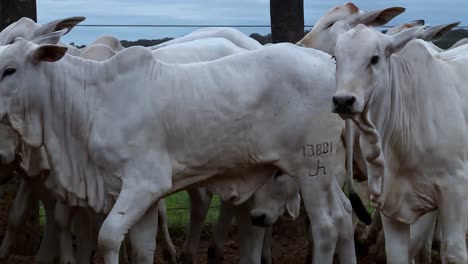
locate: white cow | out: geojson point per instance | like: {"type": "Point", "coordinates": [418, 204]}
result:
{"type": "Point", "coordinates": [342, 18]}
{"type": "Point", "coordinates": [33, 190]}
{"type": "Point", "coordinates": [323, 36]}
{"type": "Point", "coordinates": [386, 84]}
{"type": "Point", "coordinates": [186, 140]}
{"type": "Point", "coordinates": [235, 36]}
{"type": "Point", "coordinates": [198, 50]}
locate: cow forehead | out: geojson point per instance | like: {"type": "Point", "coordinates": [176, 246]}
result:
{"type": "Point", "coordinates": [361, 39]}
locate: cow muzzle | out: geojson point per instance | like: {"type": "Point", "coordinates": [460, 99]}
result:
{"type": "Point", "coordinates": [344, 104]}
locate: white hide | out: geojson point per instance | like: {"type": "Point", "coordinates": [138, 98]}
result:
{"type": "Point", "coordinates": [417, 156]}
{"type": "Point", "coordinates": [235, 36]}
{"type": "Point", "coordinates": [200, 118]}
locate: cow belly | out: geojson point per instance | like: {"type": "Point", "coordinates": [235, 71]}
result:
{"type": "Point", "coordinates": [236, 186]}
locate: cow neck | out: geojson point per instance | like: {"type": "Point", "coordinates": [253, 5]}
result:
{"type": "Point", "coordinates": [394, 106]}
{"type": "Point", "coordinates": [69, 111]}
{"type": "Point", "coordinates": [385, 123]}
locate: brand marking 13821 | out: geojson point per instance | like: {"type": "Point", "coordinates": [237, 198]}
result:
{"type": "Point", "coordinates": [317, 150]}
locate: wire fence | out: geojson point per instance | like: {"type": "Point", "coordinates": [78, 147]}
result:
{"type": "Point", "coordinates": [201, 26]}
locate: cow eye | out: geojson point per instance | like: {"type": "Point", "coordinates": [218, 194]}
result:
{"type": "Point", "coordinates": [374, 60]}
{"type": "Point", "coordinates": [8, 72]}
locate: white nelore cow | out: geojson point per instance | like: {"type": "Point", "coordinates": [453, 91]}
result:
{"type": "Point", "coordinates": [416, 155]}
{"type": "Point", "coordinates": [323, 36]}
{"type": "Point", "coordinates": [59, 217]}
{"type": "Point", "coordinates": [200, 120]}
{"type": "Point", "coordinates": [235, 36]}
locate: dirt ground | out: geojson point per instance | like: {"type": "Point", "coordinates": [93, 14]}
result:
{"type": "Point", "coordinates": [289, 247]}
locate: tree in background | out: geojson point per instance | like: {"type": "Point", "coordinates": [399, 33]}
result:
{"type": "Point", "coordinates": [12, 10]}
{"type": "Point", "coordinates": [28, 243]}
{"type": "Point", "coordinates": [287, 20]}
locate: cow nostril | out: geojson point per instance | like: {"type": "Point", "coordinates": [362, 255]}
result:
{"type": "Point", "coordinates": [335, 100]}
{"type": "Point", "coordinates": [350, 100]}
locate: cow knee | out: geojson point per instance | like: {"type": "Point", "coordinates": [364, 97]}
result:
{"type": "Point", "coordinates": [111, 235]}
{"type": "Point", "coordinates": [327, 236]}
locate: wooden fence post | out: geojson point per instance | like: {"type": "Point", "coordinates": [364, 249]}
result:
{"type": "Point", "coordinates": [287, 20]}
{"type": "Point", "coordinates": [12, 10]}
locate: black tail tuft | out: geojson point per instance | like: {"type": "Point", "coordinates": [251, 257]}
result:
{"type": "Point", "coordinates": [359, 208]}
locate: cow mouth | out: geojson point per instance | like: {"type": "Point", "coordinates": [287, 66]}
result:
{"type": "Point", "coordinates": [345, 116]}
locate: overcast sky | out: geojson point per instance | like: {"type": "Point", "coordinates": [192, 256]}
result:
{"type": "Point", "coordinates": [239, 12]}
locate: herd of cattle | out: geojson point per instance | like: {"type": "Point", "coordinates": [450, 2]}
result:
{"type": "Point", "coordinates": [102, 134]}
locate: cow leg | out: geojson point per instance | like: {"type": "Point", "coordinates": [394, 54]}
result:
{"type": "Point", "coordinates": [48, 251]}
{"type": "Point", "coordinates": [169, 251]}
{"type": "Point", "coordinates": [345, 246]}
{"type": "Point", "coordinates": [143, 236]}
{"type": "Point", "coordinates": [63, 215]}
{"type": "Point", "coordinates": [86, 237]}
{"type": "Point", "coordinates": [267, 244]}
{"type": "Point", "coordinates": [397, 241]}
{"type": "Point", "coordinates": [310, 239]}
{"type": "Point", "coordinates": [422, 234]}
{"type": "Point", "coordinates": [250, 236]}
{"type": "Point", "coordinates": [216, 248]}
{"type": "Point", "coordinates": [17, 216]}
{"type": "Point", "coordinates": [200, 200]}
{"type": "Point", "coordinates": [132, 203]}
{"type": "Point", "coordinates": [323, 228]}
{"type": "Point", "coordinates": [453, 215]}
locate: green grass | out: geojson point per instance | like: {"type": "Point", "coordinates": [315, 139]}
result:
{"type": "Point", "coordinates": [178, 211]}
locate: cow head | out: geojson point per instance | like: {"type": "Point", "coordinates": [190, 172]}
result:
{"type": "Point", "coordinates": [279, 196]}
{"type": "Point", "coordinates": [340, 19]}
{"type": "Point", "coordinates": [22, 66]}
{"type": "Point", "coordinates": [362, 63]}
{"type": "Point", "coordinates": [28, 29]}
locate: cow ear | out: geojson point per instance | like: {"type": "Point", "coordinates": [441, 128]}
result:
{"type": "Point", "coordinates": [49, 53]}
{"type": "Point", "coordinates": [49, 38]}
{"type": "Point", "coordinates": [59, 24]}
{"type": "Point", "coordinates": [398, 29]}
{"type": "Point", "coordinates": [379, 17]}
{"type": "Point", "coordinates": [398, 41]}
{"type": "Point", "coordinates": [437, 32]}
{"type": "Point", "coordinates": [293, 207]}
